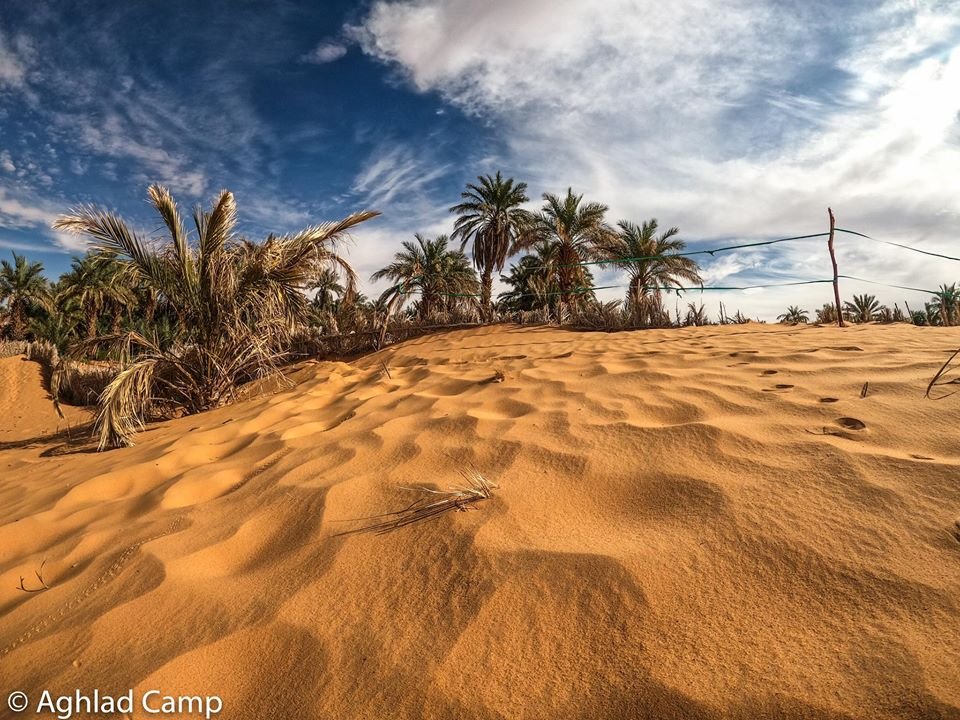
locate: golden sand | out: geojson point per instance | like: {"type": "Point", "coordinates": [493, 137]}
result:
{"type": "Point", "coordinates": [689, 524]}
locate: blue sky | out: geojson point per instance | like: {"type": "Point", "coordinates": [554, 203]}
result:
{"type": "Point", "coordinates": [738, 123]}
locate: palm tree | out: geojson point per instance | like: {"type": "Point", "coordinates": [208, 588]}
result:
{"type": "Point", "coordinates": [96, 282]}
{"type": "Point", "coordinates": [442, 277]}
{"type": "Point", "coordinates": [491, 217]}
{"type": "Point", "coordinates": [328, 290]}
{"type": "Point", "coordinates": [23, 289]}
{"type": "Point", "coordinates": [794, 316]}
{"type": "Point", "coordinates": [578, 229]}
{"type": "Point", "coordinates": [529, 281]}
{"type": "Point", "coordinates": [827, 315]}
{"type": "Point", "coordinates": [236, 303]}
{"type": "Point", "coordinates": [653, 264]}
{"type": "Point", "coordinates": [57, 328]}
{"type": "Point", "coordinates": [534, 281]}
{"type": "Point", "coordinates": [864, 308]}
{"type": "Point", "coordinates": [947, 302]}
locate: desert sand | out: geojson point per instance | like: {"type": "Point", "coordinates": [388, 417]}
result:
{"type": "Point", "coordinates": [698, 523]}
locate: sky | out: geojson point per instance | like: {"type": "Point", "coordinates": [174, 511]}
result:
{"type": "Point", "coordinates": [735, 121]}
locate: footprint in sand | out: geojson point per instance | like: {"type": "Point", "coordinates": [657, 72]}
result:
{"type": "Point", "coordinates": [769, 372]}
{"type": "Point", "coordinates": [780, 387]}
{"type": "Point", "coordinates": [829, 400]}
{"type": "Point", "coordinates": [851, 423]}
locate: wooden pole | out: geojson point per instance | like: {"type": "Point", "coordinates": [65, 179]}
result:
{"type": "Point", "coordinates": [833, 260]}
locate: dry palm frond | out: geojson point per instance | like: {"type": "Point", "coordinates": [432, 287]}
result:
{"type": "Point", "coordinates": [431, 504]}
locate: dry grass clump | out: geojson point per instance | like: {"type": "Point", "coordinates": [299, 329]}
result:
{"type": "Point", "coordinates": [431, 504]}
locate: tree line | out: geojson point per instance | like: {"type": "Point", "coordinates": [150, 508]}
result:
{"type": "Point", "coordinates": [187, 319]}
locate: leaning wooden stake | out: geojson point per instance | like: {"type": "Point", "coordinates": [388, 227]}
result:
{"type": "Point", "coordinates": [833, 259]}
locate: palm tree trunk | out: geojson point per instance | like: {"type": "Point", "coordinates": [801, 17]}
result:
{"type": "Point", "coordinates": [426, 306]}
{"type": "Point", "coordinates": [633, 299]}
{"type": "Point", "coordinates": [91, 311]}
{"type": "Point", "coordinates": [117, 318]}
{"type": "Point", "coordinates": [18, 324]}
{"type": "Point", "coordinates": [150, 308]}
{"type": "Point", "coordinates": [486, 292]}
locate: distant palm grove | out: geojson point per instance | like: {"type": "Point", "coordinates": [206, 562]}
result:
{"type": "Point", "coordinates": [155, 327]}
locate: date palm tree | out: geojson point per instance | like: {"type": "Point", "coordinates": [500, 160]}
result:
{"type": "Point", "coordinates": [491, 217]}
{"type": "Point", "coordinates": [442, 277]}
{"type": "Point", "coordinates": [96, 283]}
{"type": "Point", "coordinates": [328, 290]}
{"type": "Point", "coordinates": [653, 264]}
{"type": "Point", "coordinates": [947, 302]}
{"type": "Point", "coordinates": [23, 289]}
{"type": "Point", "coordinates": [794, 316]}
{"type": "Point", "coordinates": [826, 315]}
{"type": "Point", "coordinates": [578, 230]}
{"type": "Point", "coordinates": [237, 304]}
{"type": "Point", "coordinates": [532, 281]}
{"type": "Point", "coordinates": [864, 308]}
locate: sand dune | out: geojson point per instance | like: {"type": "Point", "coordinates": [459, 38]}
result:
{"type": "Point", "coordinates": [697, 523]}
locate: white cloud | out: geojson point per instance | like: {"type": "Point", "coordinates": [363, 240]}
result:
{"type": "Point", "coordinates": [744, 123]}
{"type": "Point", "coordinates": [25, 210]}
{"type": "Point", "coordinates": [395, 173]}
{"type": "Point", "coordinates": [13, 71]}
{"type": "Point", "coordinates": [326, 52]}
{"type": "Point", "coordinates": [18, 211]}
{"type": "Point", "coordinates": [6, 162]}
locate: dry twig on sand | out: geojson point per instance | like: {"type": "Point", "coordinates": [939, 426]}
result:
{"type": "Point", "coordinates": [43, 583]}
{"type": "Point", "coordinates": [940, 377]}
{"type": "Point", "coordinates": [431, 504]}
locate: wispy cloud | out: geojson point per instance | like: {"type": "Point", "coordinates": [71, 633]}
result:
{"type": "Point", "coordinates": [327, 51]}
{"type": "Point", "coordinates": [396, 173]}
{"type": "Point", "coordinates": [113, 136]}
